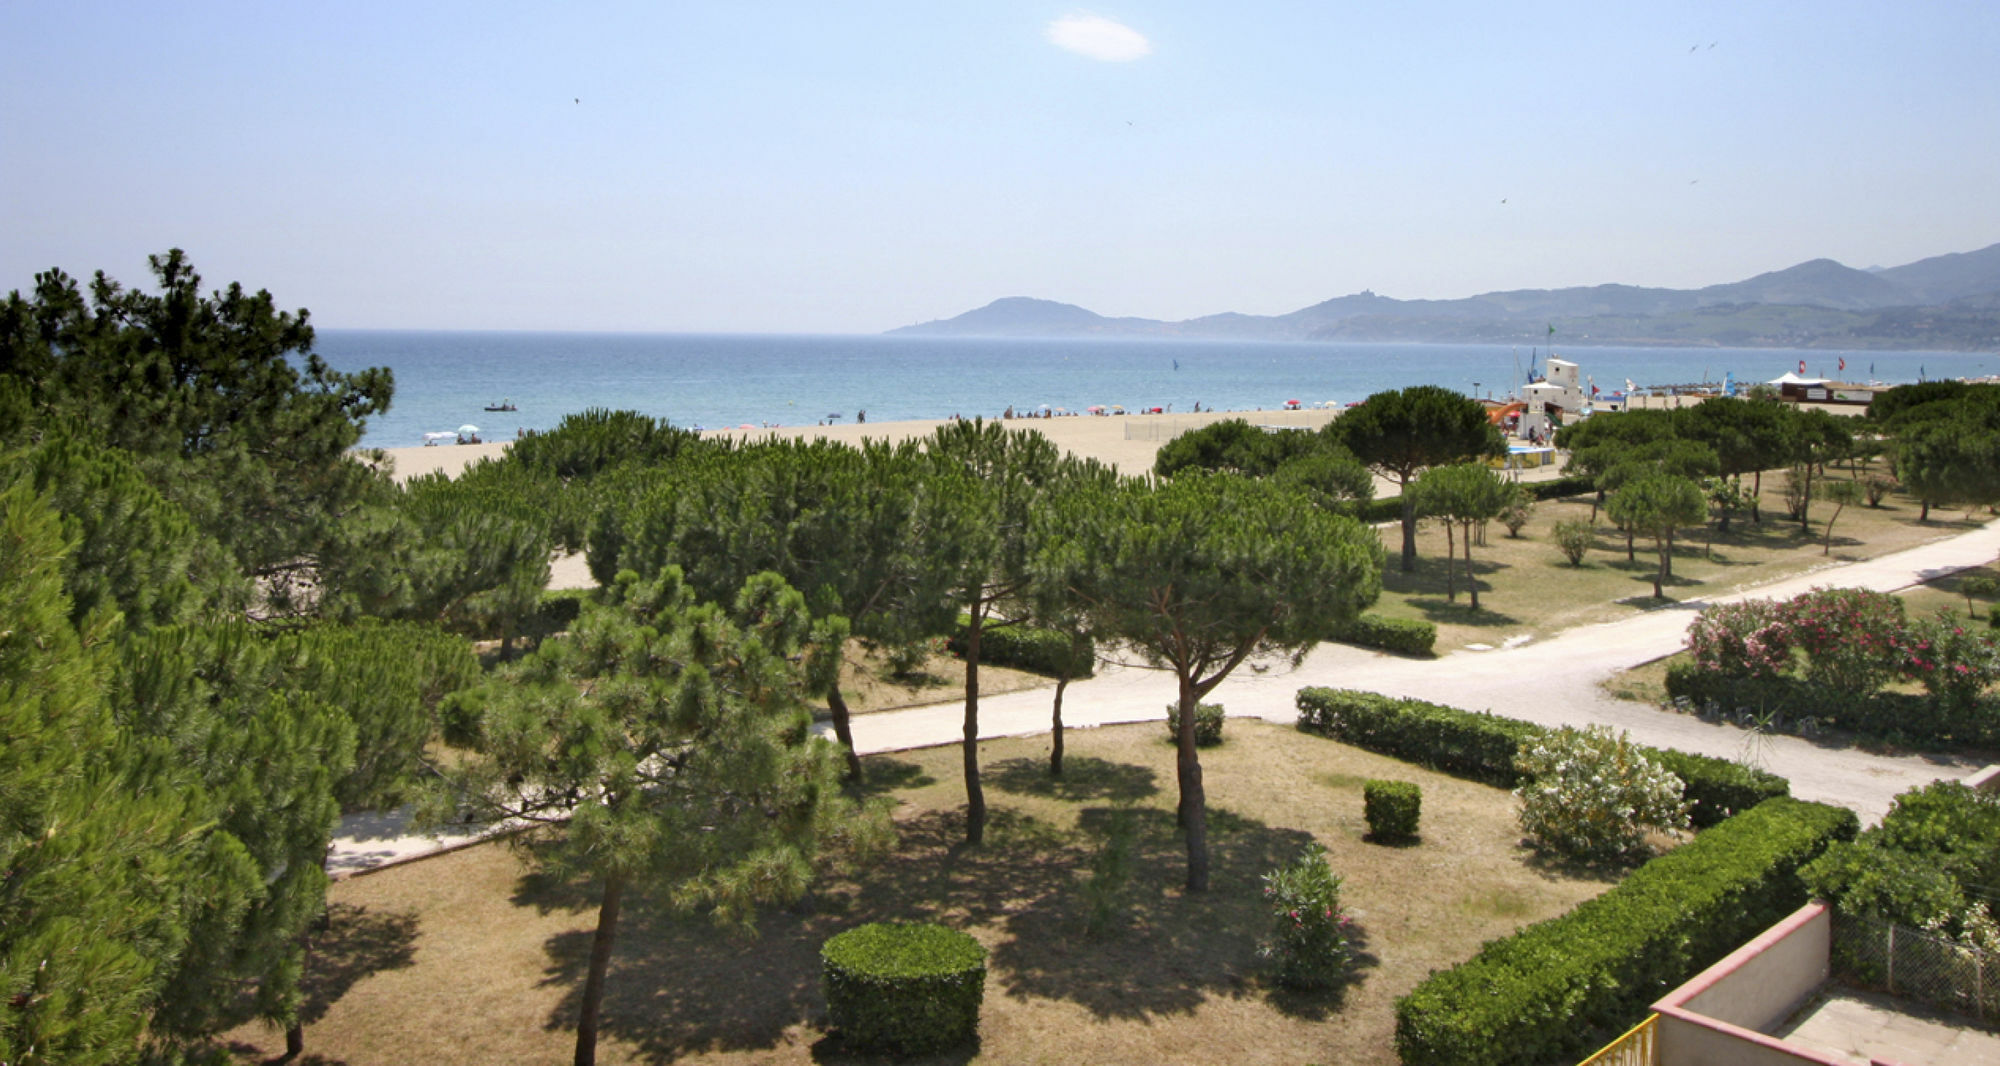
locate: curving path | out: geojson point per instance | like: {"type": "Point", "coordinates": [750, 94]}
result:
{"type": "Point", "coordinates": [1554, 682]}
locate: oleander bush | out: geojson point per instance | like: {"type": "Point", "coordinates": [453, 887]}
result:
{"type": "Point", "coordinates": [1310, 938]}
{"type": "Point", "coordinates": [1048, 652]}
{"type": "Point", "coordinates": [1392, 808]}
{"type": "Point", "coordinates": [1207, 724]}
{"type": "Point", "coordinates": [1407, 636]}
{"type": "Point", "coordinates": [1481, 747]}
{"type": "Point", "coordinates": [1560, 988]}
{"type": "Point", "coordinates": [903, 989]}
{"type": "Point", "coordinates": [1593, 794]}
{"type": "Point", "coordinates": [1574, 538]}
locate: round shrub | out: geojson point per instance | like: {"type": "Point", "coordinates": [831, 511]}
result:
{"type": "Point", "coordinates": [1207, 724]}
{"type": "Point", "coordinates": [903, 989]}
{"type": "Point", "coordinates": [1392, 808]}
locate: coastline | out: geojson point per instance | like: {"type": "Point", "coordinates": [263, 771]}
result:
{"type": "Point", "coordinates": [1125, 442]}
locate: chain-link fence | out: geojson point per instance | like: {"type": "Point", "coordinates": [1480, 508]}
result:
{"type": "Point", "coordinates": [1917, 965]}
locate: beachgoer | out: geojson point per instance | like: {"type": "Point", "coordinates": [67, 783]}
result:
{"type": "Point", "coordinates": [861, 416]}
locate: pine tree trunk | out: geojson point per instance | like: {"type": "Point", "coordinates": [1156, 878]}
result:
{"type": "Point", "coordinates": [1409, 530]}
{"type": "Point", "coordinates": [1450, 565]}
{"type": "Point", "coordinates": [1631, 554]}
{"type": "Point", "coordinates": [975, 795]}
{"type": "Point", "coordinates": [843, 729]}
{"type": "Point", "coordinates": [1056, 732]}
{"type": "Point", "coordinates": [600, 961]}
{"type": "Point", "coordinates": [1471, 580]}
{"type": "Point", "coordinates": [295, 1033]}
{"type": "Point", "coordinates": [1194, 801]}
{"type": "Point", "coordinates": [1757, 497]}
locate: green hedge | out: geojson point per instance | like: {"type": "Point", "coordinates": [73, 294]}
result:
{"type": "Point", "coordinates": [903, 989]}
{"type": "Point", "coordinates": [1208, 719]}
{"type": "Point", "coordinates": [1786, 701]}
{"type": "Point", "coordinates": [1038, 651]}
{"type": "Point", "coordinates": [1393, 809]}
{"type": "Point", "coordinates": [1562, 487]}
{"type": "Point", "coordinates": [1560, 988]}
{"type": "Point", "coordinates": [1407, 636]}
{"type": "Point", "coordinates": [1481, 747]}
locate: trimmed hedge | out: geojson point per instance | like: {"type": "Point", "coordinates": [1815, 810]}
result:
{"type": "Point", "coordinates": [1038, 651]}
{"type": "Point", "coordinates": [1560, 988]}
{"type": "Point", "coordinates": [1481, 746]}
{"type": "Point", "coordinates": [1406, 636]}
{"type": "Point", "coordinates": [903, 989]}
{"type": "Point", "coordinates": [1392, 808]}
{"type": "Point", "coordinates": [1208, 719]}
{"type": "Point", "coordinates": [1390, 508]}
{"type": "Point", "coordinates": [1898, 716]}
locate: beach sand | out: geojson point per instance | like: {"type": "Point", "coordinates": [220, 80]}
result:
{"type": "Point", "coordinates": [1127, 442]}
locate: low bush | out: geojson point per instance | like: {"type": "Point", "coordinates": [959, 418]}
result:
{"type": "Point", "coordinates": [1557, 989]}
{"type": "Point", "coordinates": [1592, 794]}
{"type": "Point", "coordinates": [1310, 936]}
{"type": "Point", "coordinates": [1207, 724]}
{"type": "Point", "coordinates": [1790, 704]}
{"type": "Point", "coordinates": [1574, 538]}
{"type": "Point", "coordinates": [1561, 488]}
{"type": "Point", "coordinates": [903, 989]}
{"type": "Point", "coordinates": [1048, 652]}
{"type": "Point", "coordinates": [1407, 636]}
{"type": "Point", "coordinates": [1481, 747]}
{"type": "Point", "coordinates": [1393, 809]}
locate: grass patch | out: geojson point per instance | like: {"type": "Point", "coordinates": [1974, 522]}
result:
{"type": "Point", "coordinates": [482, 964]}
{"type": "Point", "coordinates": [1527, 588]}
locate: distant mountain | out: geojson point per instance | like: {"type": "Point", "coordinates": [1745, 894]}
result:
{"type": "Point", "coordinates": [1946, 301]}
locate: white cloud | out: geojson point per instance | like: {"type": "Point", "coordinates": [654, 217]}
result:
{"type": "Point", "coordinates": [1099, 38]}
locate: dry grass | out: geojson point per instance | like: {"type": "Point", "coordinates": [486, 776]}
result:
{"type": "Point", "coordinates": [1526, 587]}
{"type": "Point", "coordinates": [870, 685]}
{"type": "Point", "coordinates": [468, 959]}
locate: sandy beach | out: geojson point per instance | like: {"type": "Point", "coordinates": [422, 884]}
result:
{"type": "Point", "coordinates": [1127, 442]}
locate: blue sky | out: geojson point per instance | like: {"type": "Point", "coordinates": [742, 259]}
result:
{"type": "Point", "coordinates": [852, 167]}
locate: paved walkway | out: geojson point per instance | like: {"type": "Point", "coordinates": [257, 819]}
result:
{"type": "Point", "coordinates": [1554, 682]}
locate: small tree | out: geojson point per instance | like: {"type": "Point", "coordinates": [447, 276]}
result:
{"type": "Point", "coordinates": [1463, 495]}
{"type": "Point", "coordinates": [1657, 505]}
{"type": "Point", "coordinates": [1594, 794]}
{"type": "Point", "coordinates": [1985, 586]}
{"type": "Point", "coordinates": [1310, 936]}
{"type": "Point", "coordinates": [1199, 574]}
{"type": "Point", "coordinates": [671, 741]}
{"type": "Point", "coordinates": [1840, 494]}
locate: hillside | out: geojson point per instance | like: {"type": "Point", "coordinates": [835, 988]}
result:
{"type": "Point", "coordinates": [1949, 302]}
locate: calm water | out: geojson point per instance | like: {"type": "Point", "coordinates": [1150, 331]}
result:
{"type": "Point", "coordinates": [443, 380]}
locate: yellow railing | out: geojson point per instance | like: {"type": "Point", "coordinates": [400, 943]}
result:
{"type": "Point", "coordinates": [1638, 1047]}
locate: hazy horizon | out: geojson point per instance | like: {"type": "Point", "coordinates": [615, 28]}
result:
{"type": "Point", "coordinates": [798, 169]}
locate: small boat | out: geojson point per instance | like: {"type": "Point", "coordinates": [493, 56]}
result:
{"type": "Point", "coordinates": [503, 405]}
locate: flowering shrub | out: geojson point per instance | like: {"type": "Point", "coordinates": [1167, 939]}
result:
{"type": "Point", "coordinates": [1954, 664]}
{"type": "Point", "coordinates": [1749, 639]}
{"type": "Point", "coordinates": [1311, 939]}
{"type": "Point", "coordinates": [1592, 794]}
{"type": "Point", "coordinates": [1853, 638]}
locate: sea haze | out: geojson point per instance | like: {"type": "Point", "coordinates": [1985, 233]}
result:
{"type": "Point", "coordinates": [445, 379]}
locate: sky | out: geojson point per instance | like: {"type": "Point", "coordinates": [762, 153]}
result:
{"type": "Point", "coordinates": [851, 167]}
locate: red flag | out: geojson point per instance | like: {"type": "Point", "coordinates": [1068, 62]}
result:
{"type": "Point", "coordinates": [1843, 364]}
{"type": "Point", "coordinates": [1802, 366]}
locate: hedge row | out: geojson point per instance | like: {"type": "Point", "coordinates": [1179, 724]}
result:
{"type": "Point", "coordinates": [1408, 636]}
{"type": "Point", "coordinates": [1899, 716]}
{"type": "Point", "coordinates": [1557, 989]}
{"type": "Point", "coordinates": [1038, 651]}
{"type": "Point", "coordinates": [1481, 746]}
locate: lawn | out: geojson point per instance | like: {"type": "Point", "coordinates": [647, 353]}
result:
{"type": "Point", "coordinates": [467, 958]}
{"type": "Point", "coordinates": [1528, 588]}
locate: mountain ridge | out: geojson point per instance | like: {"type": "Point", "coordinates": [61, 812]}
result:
{"type": "Point", "coordinates": [1949, 301]}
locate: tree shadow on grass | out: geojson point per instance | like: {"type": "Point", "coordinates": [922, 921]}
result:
{"type": "Point", "coordinates": [357, 943]}
{"type": "Point", "coordinates": [677, 985]}
{"type": "Point", "coordinates": [1084, 779]}
{"type": "Point", "coordinates": [1439, 609]}
{"type": "Point", "coordinates": [1174, 951]}
{"type": "Point", "coordinates": [882, 775]}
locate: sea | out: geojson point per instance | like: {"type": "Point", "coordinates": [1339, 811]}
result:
{"type": "Point", "coordinates": [446, 380]}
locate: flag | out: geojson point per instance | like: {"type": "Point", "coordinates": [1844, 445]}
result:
{"type": "Point", "coordinates": [1802, 366]}
{"type": "Point", "coordinates": [1593, 388]}
{"type": "Point", "coordinates": [1843, 364]}
{"type": "Point", "coordinates": [1552, 329]}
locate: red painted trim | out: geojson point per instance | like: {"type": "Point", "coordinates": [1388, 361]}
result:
{"type": "Point", "coordinates": [1748, 1036]}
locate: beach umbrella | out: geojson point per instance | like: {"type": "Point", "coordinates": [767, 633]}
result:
{"type": "Point", "coordinates": [468, 429]}
{"type": "Point", "coordinates": [447, 435]}
{"type": "Point", "coordinates": [1097, 410]}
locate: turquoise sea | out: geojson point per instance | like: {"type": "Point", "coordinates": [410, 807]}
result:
{"type": "Point", "coordinates": [445, 379]}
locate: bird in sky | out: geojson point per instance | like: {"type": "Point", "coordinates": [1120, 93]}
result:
{"type": "Point", "coordinates": [578, 99]}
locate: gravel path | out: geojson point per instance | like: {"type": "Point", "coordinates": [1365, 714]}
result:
{"type": "Point", "coordinates": [1554, 682]}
